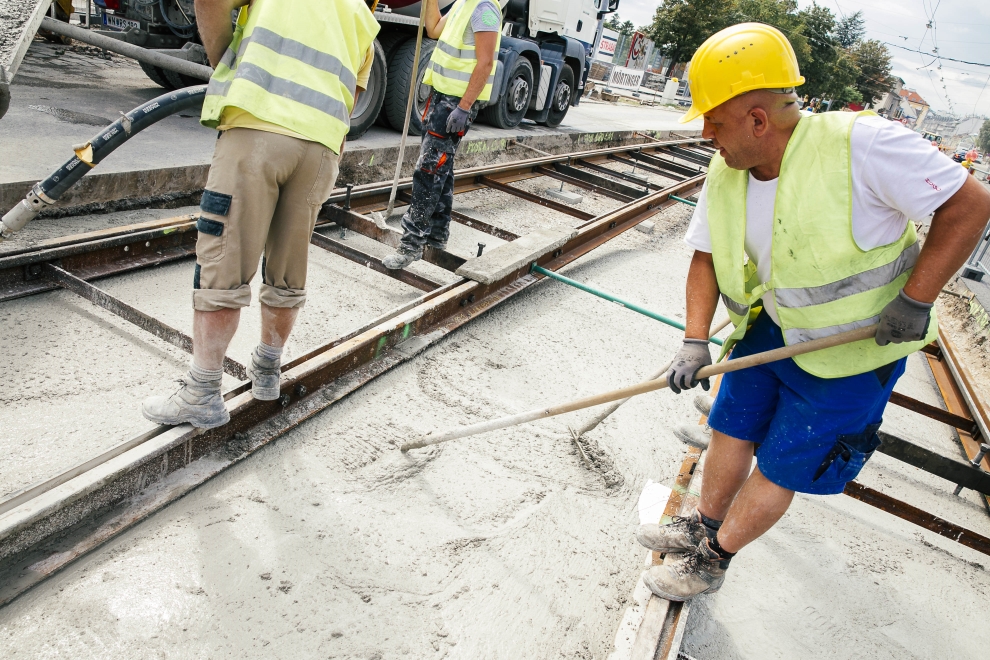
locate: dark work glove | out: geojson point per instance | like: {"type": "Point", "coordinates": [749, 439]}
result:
{"type": "Point", "coordinates": [694, 355]}
{"type": "Point", "coordinates": [457, 122]}
{"type": "Point", "coordinates": [903, 319]}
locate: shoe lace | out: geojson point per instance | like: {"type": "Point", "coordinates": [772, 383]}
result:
{"type": "Point", "coordinates": [688, 564]}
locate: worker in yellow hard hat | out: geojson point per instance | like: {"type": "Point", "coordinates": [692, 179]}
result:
{"type": "Point", "coordinates": [803, 230]}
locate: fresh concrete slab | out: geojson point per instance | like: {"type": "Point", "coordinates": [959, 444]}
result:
{"type": "Point", "coordinates": [507, 258]}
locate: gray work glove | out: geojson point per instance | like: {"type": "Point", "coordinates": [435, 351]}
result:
{"type": "Point", "coordinates": [903, 319]}
{"type": "Point", "coordinates": [457, 122]}
{"type": "Point", "coordinates": [694, 355]}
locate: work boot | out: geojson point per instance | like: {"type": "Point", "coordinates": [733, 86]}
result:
{"type": "Point", "coordinates": [701, 571]}
{"type": "Point", "coordinates": [694, 435]}
{"type": "Point", "coordinates": [264, 374]}
{"type": "Point", "coordinates": [703, 403]}
{"type": "Point", "coordinates": [402, 258]}
{"type": "Point", "coordinates": [681, 534]}
{"type": "Point", "coordinates": [197, 402]}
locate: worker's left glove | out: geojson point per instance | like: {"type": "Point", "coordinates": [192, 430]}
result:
{"type": "Point", "coordinates": [694, 355]}
{"type": "Point", "coordinates": [457, 122]}
{"type": "Point", "coordinates": [903, 319]}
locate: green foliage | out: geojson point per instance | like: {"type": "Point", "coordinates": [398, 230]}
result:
{"type": "Point", "coordinates": [680, 26]}
{"type": "Point", "coordinates": [627, 28]}
{"type": "Point", "coordinates": [983, 139]}
{"type": "Point", "coordinates": [872, 61]}
{"type": "Point", "coordinates": [846, 95]}
{"type": "Point", "coordinates": [850, 30]}
{"type": "Point", "coordinates": [831, 53]}
{"type": "Point", "coordinates": [613, 23]}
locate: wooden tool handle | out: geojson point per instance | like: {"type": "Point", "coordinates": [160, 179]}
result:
{"type": "Point", "coordinates": [775, 355]}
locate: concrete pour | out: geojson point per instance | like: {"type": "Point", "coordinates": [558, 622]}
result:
{"type": "Point", "coordinates": [331, 543]}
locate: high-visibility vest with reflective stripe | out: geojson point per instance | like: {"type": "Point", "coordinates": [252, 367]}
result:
{"type": "Point", "coordinates": [453, 60]}
{"type": "Point", "coordinates": [821, 281]}
{"type": "Point", "coordinates": [294, 64]}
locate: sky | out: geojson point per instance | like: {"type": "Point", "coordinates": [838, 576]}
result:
{"type": "Point", "coordinates": [961, 30]}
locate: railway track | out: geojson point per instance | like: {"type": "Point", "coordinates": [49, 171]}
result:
{"type": "Point", "coordinates": [46, 526]}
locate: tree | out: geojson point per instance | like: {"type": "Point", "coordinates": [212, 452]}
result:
{"type": "Point", "coordinates": [872, 59]}
{"type": "Point", "coordinates": [613, 23]}
{"type": "Point", "coordinates": [819, 72]}
{"type": "Point", "coordinates": [850, 30]}
{"type": "Point", "coordinates": [983, 139]}
{"type": "Point", "coordinates": [680, 26]}
{"type": "Point", "coordinates": [627, 28]}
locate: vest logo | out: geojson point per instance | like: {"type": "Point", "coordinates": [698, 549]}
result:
{"type": "Point", "coordinates": [932, 184]}
{"type": "Point", "coordinates": [489, 18]}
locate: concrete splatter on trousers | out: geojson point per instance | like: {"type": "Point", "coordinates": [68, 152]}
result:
{"type": "Point", "coordinates": [428, 219]}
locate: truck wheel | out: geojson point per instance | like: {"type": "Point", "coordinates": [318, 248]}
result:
{"type": "Point", "coordinates": [397, 89]}
{"type": "Point", "coordinates": [157, 75]}
{"type": "Point", "coordinates": [390, 41]}
{"type": "Point", "coordinates": [560, 102]}
{"type": "Point", "coordinates": [510, 109]}
{"type": "Point", "coordinates": [369, 102]}
{"type": "Point", "coordinates": [180, 80]}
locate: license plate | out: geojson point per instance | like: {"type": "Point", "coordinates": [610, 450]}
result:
{"type": "Point", "coordinates": [119, 23]}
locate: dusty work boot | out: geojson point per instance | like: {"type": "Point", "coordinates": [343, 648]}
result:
{"type": "Point", "coordinates": [694, 435]}
{"type": "Point", "coordinates": [703, 403]}
{"type": "Point", "coordinates": [681, 534]}
{"type": "Point", "coordinates": [197, 402]}
{"type": "Point", "coordinates": [701, 571]}
{"type": "Point", "coordinates": [265, 372]}
{"type": "Point", "coordinates": [402, 258]}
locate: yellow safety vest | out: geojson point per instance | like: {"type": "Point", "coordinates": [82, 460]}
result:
{"type": "Point", "coordinates": [294, 64]}
{"type": "Point", "coordinates": [454, 61]}
{"type": "Point", "coordinates": [821, 281]}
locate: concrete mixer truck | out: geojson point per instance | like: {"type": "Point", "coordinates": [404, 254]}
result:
{"type": "Point", "coordinates": [543, 62]}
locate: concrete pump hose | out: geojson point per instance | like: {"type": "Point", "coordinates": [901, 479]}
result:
{"type": "Point", "coordinates": [89, 154]}
{"type": "Point", "coordinates": [185, 67]}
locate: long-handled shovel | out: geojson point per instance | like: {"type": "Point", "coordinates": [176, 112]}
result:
{"type": "Point", "coordinates": [648, 386]}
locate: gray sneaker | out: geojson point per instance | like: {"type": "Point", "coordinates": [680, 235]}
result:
{"type": "Point", "coordinates": [679, 535]}
{"type": "Point", "coordinates": [264, 375]}
{"type": "Point", "coordinates": [703, 403]}
{"type": "Point", "coordinates": [694, 435]}
{"type": "Point", "coordinates": [698, 572]}
{"type": "Point", "coordinates": [402, 258]}
{"type": "Point", "coordinates": [197, 402]}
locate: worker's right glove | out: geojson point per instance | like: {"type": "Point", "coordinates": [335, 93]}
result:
{"type": "Point", "coordinates": [903, 319]}
{"type": "Point", "coordinates": [694, 355]}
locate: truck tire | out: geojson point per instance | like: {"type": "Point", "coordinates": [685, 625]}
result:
{"type": "Point", "coordinates": [397, 89]}
{"type": "Point", "coordinates": [390, 41]}
{"type": "Point", "coordinates": [157, 75]}
{"type": "Point", "coordinates": [369, 103]}
{"type": "Point", "coordinates": [180, 80]}
{"type": "Point", "coordinates": [560, 100]}
{"type": "Point", "coordinates": [511, 107]}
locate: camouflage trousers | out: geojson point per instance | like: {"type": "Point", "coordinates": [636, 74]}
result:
{"type": "Point", "coordinates": [427, 222]}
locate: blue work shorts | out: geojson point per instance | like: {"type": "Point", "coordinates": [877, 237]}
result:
{"type": "Point", "coordinates": [813, 434]}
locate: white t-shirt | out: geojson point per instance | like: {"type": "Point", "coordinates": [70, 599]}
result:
{"type": "Point", "coordinates": [897, 175]}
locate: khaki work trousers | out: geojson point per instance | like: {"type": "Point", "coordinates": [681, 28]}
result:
{"type": "Point", "coordinates": [262, 198]}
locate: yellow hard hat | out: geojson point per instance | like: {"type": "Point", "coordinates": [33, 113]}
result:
{"type": "Point", "coordinates": [739, 59]}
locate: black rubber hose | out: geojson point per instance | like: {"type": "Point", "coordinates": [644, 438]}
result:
{"type": "Point", "coordinates": [119, 132]}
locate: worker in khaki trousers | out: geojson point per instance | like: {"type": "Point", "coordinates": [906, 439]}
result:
{"type": "Point", "coordinates": [804, 230]}
{"type": "Point", "coordinates": [287, 76]}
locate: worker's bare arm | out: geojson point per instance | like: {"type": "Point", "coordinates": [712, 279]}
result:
{"type": "Point", "coordinates": [956, 228]}
{"type": "Point", "coordinates": [484, 50]}
{"type": "Point", "coordinates": [702, 296]}
{"type": "Point", "coordinates": [215, 29]}
{"type": "Point", "coordinates": [434, 21]}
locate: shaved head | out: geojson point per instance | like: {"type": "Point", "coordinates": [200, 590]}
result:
{"type": "Point", "coordinates": [751, 130]}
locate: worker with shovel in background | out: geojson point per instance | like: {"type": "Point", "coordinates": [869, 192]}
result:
{"type": "Point", "coordinates": [461, 71]}
{"type": "Point", "coordinates": [804, 230]}
{"type": "Point", "coordinates": [285, 83]}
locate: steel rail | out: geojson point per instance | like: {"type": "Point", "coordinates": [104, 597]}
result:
{"type": "Point", "coordinates": [120, 250]}
{"type": "Point", "coordinates": [50, 529]}
{"type": "Point", "coordinates": [615, 186]}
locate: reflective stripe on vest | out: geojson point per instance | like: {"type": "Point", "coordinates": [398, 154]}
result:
{"type": "Point", "coordinates": [822, 282]}
{"type": "Point", "coordinates": [295, 65]}
{"type": "Point", "coordinates": [453, 60]}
